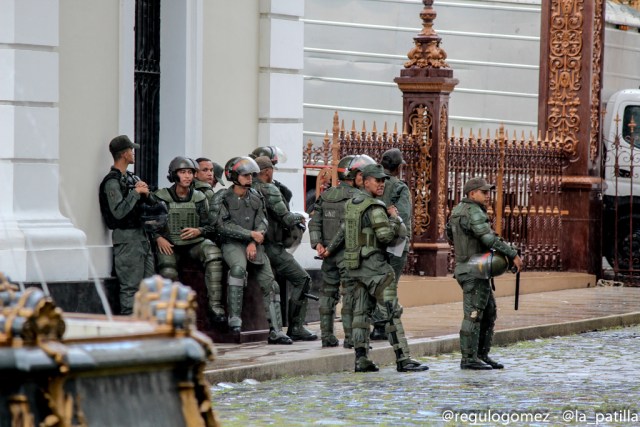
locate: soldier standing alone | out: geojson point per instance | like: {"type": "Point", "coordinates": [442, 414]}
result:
{"type": "Point", "coordinates": [470, 232]}
{"type": "Point", "coordinates": [121, 197]}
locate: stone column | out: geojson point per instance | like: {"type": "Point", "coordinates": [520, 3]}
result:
{"type": "Point", "coordinates": [426, 82]}
{"type": "Point", "coordinates": [571, 48]}
{"type": "Point", "coordinates": [281, 84]}
{"type": "Point", "coordinates": [37, 243]}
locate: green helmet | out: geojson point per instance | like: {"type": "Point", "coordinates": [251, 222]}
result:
{"type": "Point", "coordinates": [359, 161]}
{"type": "Point", "coordinates": [343, 167]}
{"type": "Point", "coordinates": [488, 265]}
{"type": "Point", "coordinates": [180, 163]}
{"type": "Point", "coordinates": [274, 154]}
{"type": "Point", "coordinates": [239, 166]}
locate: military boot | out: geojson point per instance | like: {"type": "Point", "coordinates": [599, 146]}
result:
{"type": "Point", "coordinates": [330, 341]}
{"type": "Point", "coordinates": [234, 303]}
{"type": "Point", "coordinates": [297, 314]}
{"type": "Point", "coordinates": [213, 282]}
{"type": "Point", "coordinates": [278, 337]}
{"type": "Point", "coordinates": [473, 363]}
{"type": "Point", "coordinates": [489, 361]}
{"type": "Point", "coordinates": [363, 363]}
{"type": "Point", "coordinates": [411, 365]}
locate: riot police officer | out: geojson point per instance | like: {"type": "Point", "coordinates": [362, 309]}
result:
{"type": "Point", "coordinates": [350, 168]}
{"type": "Point", "coordinates": [242, 224]}
{"type": "Point", "coordinates": [369, 228]}
{"type": "Point", "coordinates": [281, 220]}
{"type": "Point", "coordinates": [208, 175]}
{"type": "Point", "coordinates": [184, 234]}
{"type": "Point", "coordinates": [396, 194]}
{"type": "Point", "coordinates": [276, 155]}
{"type": "Point", "coordinates": [323, 227]}
{"type": "Point", "coordinates": [121, 196]}
{"type": "Point", "coordinates": [470, 232]}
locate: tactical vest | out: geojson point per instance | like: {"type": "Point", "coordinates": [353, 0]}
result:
{"type": "Point", "coordinates": [360, 239]}
{"type": "Point", "coordinates": [243, 211]}
{"type": "Point", "coordinates": [271, 194]}
{"type": "Point", "coordinates": [182, 214]}
{"type": "Point", "coordinates": [127, 183]}
{"type": "Point", "coordinates": [464, 242]}
{"type": "Point", "coordinates": [333, 209]}
{"type": "Point", "coordinates": [204, 187]}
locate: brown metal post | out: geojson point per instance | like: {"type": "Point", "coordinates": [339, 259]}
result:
{"type": "Point", "coordinates": [426, 82]}
{"type": "Point", "coordinates": [569, 109]}
{"type": "Point", "coordinates": [500, 181]}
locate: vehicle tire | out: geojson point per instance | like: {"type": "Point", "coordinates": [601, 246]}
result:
{"type": "Point", "coordinates": [628, 243]}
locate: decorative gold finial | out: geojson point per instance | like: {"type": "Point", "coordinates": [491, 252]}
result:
{"type": "Point", "coordinates": [427, 52]}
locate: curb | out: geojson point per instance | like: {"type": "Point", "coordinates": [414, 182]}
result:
{"type": "Point", "coordinates": [344, 360]}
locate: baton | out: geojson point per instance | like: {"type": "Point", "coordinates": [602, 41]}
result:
{"type": "Point", "coordinates": [517, 293]}
{"type": "Point", "coordinates": [313, 297]}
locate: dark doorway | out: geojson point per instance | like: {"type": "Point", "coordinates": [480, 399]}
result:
{"type": "Point", "coordinates": [147, 89]}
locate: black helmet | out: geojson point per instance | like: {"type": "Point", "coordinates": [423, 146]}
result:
{"type": "Point", "coordinates": [180, 163]}
{"type": "Point", "coordinates": [392, 158]}
{"type": "Point", "coordinates": [359, 161]}
{"type": "Point", "coordinates": [239, 166]}
{"type": "Point", "coordinates": [343, 167]}
{"type": "Point", "coordinates": [274, 154]}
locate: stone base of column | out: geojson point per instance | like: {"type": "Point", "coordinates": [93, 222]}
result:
{"type": "Point", "coordinates": [431, 259]}
{"type": "Point", "coordinates": [43, 250]}
{"type": "Point", "coordinates": [580, 244]}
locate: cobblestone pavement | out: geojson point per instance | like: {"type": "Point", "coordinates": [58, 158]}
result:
{"type": "Point", "coordinates": [585, 379]}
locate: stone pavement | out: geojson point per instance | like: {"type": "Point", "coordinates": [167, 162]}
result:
{"type": "Point", "coordinates": [433, 329]}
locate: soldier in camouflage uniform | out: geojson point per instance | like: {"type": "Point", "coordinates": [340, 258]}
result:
{"type": "Point", "coordinates": [242, 224]}
{"type": "Point", "coordinates": [121, 197]}
{"type": "Point", "coordinates": [396, 194]}
{"type": "Point", "coordinates": [184, 234]}
{"type": "Point", "coordinates": [276, 155]}
{"type": "Point", "coordinates": [470, 232]}
{"type": "Point", "coordinates": [208, 175]}
{"type": "Point", "coordinates": [368, 229]}
{"type": "Point", "coordinates": [324, 226]}
{"type": "Point", "coordinates": [281, 220]}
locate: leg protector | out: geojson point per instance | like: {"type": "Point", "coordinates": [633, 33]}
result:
{"type": "Point", "coordinates": [470, 334]}
{"type": "Point", "coordinates": [362, 308]}
{"type": "Point", "coordinates": [346, 313]}
{"type": "Point", "coordinates": [487, 325]}
{"type": "Point", "coordinates": [213, 281]}
{"type": "Point", "coordinates": [274, 316]}
{"type": "Point", "coordinates": [298, 304]}
{"type": "Point", "coordinates": [234, 302]}
{"type": "Point", "coordinates": [328, 299]}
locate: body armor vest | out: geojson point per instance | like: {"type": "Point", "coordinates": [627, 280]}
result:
{"type": "Point", "coordinates": [360, 238]}
{"type": "Point", "coordinates": [465, 243]}
{"type": "Point", "coordinates": [182, 214]}
{"type": "Point", "coordinates": [272, 195]}
{"type": "Point", "coordinates": [204, 187]}
{"type": "Point", "coordinates": [243, 211]}
{"type": "Point", "coordinates": [333, 209]}
{"type": "Point", "coordinates": [127, 183]}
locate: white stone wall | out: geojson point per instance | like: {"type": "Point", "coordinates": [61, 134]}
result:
{"type": "Point", "coordinates": [37, 243]}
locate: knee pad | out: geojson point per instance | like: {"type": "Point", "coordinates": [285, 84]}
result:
{"type": "Point", "coordinates": [210, 252]}
{"type": "Point", "coordinates": [168, 272]}
{"type": "Point", "coordinates": [237, 271]}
